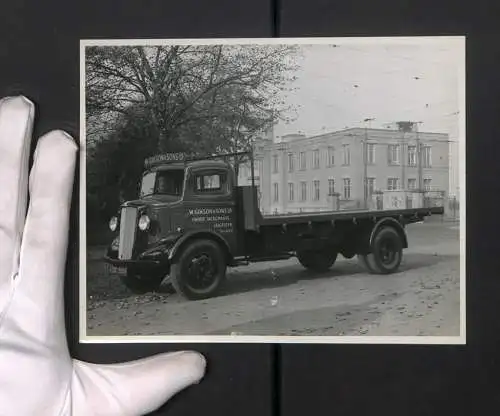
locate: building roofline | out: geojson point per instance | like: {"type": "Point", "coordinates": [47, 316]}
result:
{"type": "Point", "coordinates": [343, 132]}
{"type": "Point", "coordinates": [362, 129]}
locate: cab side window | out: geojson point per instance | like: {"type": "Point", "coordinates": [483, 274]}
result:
{"type": "Point", "coordinates": [210, 183]}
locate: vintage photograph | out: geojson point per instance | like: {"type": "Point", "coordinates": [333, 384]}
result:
{"type": "Point", "coordinates": [268, 190]}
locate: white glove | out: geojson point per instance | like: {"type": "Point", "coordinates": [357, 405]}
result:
{"type": "Point", "coordinates": [37, 375]}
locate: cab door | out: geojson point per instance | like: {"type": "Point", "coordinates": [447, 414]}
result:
{"type": "Point", "coordinates": [209, 203]}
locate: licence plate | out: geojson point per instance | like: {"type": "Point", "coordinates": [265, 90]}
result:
{"type": "Point", "coordinates": [118, 270]}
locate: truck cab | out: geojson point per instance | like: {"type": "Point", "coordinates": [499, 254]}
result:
{"type": "Point", "coordinates": [179, 201]}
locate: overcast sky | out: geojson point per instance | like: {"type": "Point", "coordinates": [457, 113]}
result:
{"type": "Point", "coordinates": [339, 87]}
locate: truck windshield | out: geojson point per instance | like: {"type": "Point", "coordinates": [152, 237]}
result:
{"type": "Point", "coordinates": [164, 182]}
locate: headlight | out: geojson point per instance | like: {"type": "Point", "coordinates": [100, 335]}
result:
{"type": "Point", "coordinates": [144, 222]}
{"type": "Point", "coordinates": [113, 223]}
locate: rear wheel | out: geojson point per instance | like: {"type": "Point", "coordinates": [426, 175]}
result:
{"type": "Point", "coordinates": [200, 270]}
{"type": "Point", "coordinates": [364, 262]}
{"type": "Point", "coordinates": [140, 283]}
{"type": "Point", "coordinates": [386, 252]}
{"type": "Point", "coordinates": [317, 260]}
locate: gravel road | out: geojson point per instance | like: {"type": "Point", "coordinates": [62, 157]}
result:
{"type": "Point", "coordinates": [281, 298]}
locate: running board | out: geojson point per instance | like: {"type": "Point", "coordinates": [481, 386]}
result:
{"type": "Point", "coordinates": [248, 260]}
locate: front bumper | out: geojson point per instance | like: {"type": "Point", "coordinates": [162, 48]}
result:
{"type": "Point", "coordinates": [155, 255]}
{"type": "Point", "coordinates": [134, 262]}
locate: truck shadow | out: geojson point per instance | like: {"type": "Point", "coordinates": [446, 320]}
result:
{"type": "Point", "coordinates": [103, 285]}
{"type": "Point", "coordinates": [242, 281]}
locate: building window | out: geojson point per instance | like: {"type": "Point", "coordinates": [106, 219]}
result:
{"type": "Point", "coordinates": [331, 186]}
{"type": "Point", "coordinates": [291, 166]}
{"type": "Point", "coordinates": [412, 183]}
{"type": "Point", "coordinates": [370, 153]}
{"type": "Point", "coordinates": [412, 155]}
{"type": "Point", "coordinates": [302, 161]}
{"type": "Point", "coordinates": [276, 192]}
{"type": "Point", "coordinates": [347, 188]}
{"type": "Point", "coordinates": [258, 165]}
{"type": "Point", "coordinates": [370, 185]}
{"type": "Point", "coordinates": [393, 184]}
{"type": "Point", "coordinates": [347, 154]}
{"type": "Point", "coordinates": [316, 159]}
{"type": "Point", "coordinates": [275, 164]}
{"type": "Point", "coordinates": [303, 191]}
{"type": "Point", "coordinates": [394, 154]}
{"type": "Point", "coordinates": [331, 156]}
{"type": "Point", "coordinates": [257, 168]}
{"type": "Point", "coordinates": [427, 184]}
{"type": "Point", "coordinates": [426, 157]}
{"type": "Point", "coordinates": [291, 191]}
{"type": "Point", "coordinates": [316, 190]}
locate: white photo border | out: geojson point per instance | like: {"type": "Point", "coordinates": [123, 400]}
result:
{"type": "Point", "coordinates": [431, 340]}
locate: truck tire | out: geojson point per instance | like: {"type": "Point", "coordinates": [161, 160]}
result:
{"type": "Point", "coordinates": [199, 272]}
{"type": "Point", "coordinates": [140, 284]}
{"type": "Point", "coordinates": [365, 263]}
{"type": "Point", "coordinates": [317, 261]}
{"type": "Point", "coordinates": [386, 252]}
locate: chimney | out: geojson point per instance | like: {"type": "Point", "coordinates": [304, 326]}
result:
{"type": "Point", "coordinates": [405, 126]}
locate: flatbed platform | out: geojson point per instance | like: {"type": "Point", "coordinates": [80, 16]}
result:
{"type": "Point", "coordinates": [278, 219]}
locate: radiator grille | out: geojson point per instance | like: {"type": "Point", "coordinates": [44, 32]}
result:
{"type": "Point", "coordinates": [128, 226]}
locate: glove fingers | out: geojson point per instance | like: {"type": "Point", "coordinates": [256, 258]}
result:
{"type": "Point", "coordinates": [16, 123]}
{"type": "Point", "coordinates": [134, 388]}
{"type": "Point", "coordinates": [39, 289]}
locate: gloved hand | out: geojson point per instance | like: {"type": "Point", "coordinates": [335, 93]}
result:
{"type": "Point", "coordinates": [37, 375]}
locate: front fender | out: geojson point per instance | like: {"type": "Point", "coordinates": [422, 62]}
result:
{"type": "Point", "coordinates": [161, 250]}
{"type": "Point", "coordinates": [197, 234]}
{"type": "Point", "coordinates": [112, 249]}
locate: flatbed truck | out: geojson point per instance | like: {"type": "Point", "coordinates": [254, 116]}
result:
{"type": "Point", "coordinates": [192, 221]}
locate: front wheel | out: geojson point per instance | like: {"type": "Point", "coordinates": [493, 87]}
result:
{"type": "Point", "coordinates": [200, 270]}
{"type": "Point", "coordinates": [386, 252]}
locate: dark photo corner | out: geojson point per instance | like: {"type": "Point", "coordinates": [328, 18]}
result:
{"type": "Point", "coordinates": [40, 58]}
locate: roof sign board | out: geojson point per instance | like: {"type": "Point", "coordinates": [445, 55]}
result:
{"type": "Point", "coordinates": [165, 158]}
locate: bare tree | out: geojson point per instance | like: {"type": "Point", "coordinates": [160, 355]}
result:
{"type": "Point", "coordinates": [228, 92]}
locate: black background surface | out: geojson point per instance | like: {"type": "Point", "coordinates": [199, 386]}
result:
{"type": "Point", "coordinates": [418, 380]}
{"type": "Point", "coordinates": [39, 57]}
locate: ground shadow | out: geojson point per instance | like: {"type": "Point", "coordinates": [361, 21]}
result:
{"type": "Point", "coordinates": [286, 275]}
{"type": "Point", "coordinates": [102, 285]}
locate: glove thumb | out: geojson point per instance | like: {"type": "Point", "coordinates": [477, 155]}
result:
{"type": "Point", "coordinates": [133, 388]}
